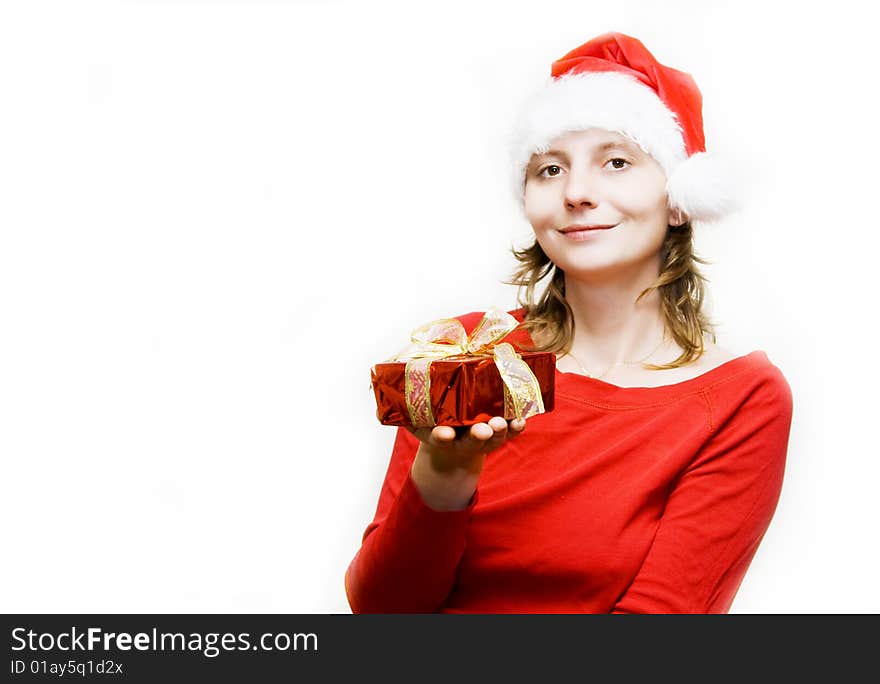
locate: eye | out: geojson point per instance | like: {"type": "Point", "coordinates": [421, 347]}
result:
{"type": "Point", "coordinates": [556, 170]}
{"type": "Point", "coordinates": [617, 163]}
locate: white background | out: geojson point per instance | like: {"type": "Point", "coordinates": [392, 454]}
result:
{"type": "Point", "coordinates": [216, 216]}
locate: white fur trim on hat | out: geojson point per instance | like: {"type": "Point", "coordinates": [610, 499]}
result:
{"type": "Point", "coordinates": [703, 188]}
{"type": "Point", "coordinates": [621, 103]}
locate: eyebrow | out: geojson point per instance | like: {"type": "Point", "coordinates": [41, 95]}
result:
{"type": "Point", "coordinates": [604, 147]}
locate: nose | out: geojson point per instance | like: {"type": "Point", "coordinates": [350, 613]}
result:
{"type": "Point", "coordinates": [579, 191]}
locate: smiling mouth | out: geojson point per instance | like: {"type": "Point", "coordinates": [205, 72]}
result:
{"type": "Point", "coordinates": [583, 228]}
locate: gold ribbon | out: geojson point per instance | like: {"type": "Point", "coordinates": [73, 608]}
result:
{"type": "Point", "coordinates": [445, 338]}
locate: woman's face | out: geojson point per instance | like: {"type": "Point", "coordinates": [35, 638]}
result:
{"type": "Point", "coordinates": [596, 177]}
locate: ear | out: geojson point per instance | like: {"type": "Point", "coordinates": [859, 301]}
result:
{"type": "Point", "coordinates": [676, 217]}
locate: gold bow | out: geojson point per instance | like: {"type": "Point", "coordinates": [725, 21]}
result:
{"type": "Point", "coordinates": [445, 338]}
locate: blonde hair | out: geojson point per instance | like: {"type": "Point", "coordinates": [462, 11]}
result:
{"type": "Point", "coordinates": [550, 322]}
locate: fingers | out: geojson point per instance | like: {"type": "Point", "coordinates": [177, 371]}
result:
{"type": "Point", "coordinates": [493, 433]}
{"type": "Point", "coordinates": [498, 424]}
{"type": "Point", "coordinates": [443, 434]}
{"type": "Point", "coordinates": [479, 435]}
{"type": "Point", "coordinates": [482, 431]}
{"type": "Point", "coordinates": [439, 435]}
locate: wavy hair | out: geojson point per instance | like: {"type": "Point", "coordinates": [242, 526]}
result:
{"type": "Point", "coordinates": [550, 322]}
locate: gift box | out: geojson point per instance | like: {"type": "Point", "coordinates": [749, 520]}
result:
{"type": "Point", "coordinates": [447, 377]}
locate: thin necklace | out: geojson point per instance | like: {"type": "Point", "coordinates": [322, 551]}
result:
{"type": "Point", "coordinates": [616, 363]}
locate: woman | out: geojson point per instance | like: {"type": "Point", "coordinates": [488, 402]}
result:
{"type": "Point", "coordinates": [650, 485]}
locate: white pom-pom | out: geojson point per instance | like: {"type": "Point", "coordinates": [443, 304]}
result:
{"type": "Point", "coordinates": [704, 188]}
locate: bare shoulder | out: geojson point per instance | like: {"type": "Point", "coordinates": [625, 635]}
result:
{"type": "Point", "coordinates": [715, 355]}
{"type": "Point", "coordinates": [712, 357]}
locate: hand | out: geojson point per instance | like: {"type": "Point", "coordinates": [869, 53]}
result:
{"type": "Point", "coordinates": [465, 447]}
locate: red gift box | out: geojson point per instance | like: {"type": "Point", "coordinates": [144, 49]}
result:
{"type": "Point", "coordinates": [446, 377]}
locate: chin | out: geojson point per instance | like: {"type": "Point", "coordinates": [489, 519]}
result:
{"type": "Point", "coordinates": [587, 266]}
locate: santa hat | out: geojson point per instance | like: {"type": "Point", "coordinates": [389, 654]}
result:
{"type": "Point", "coordinates": [613, 82]}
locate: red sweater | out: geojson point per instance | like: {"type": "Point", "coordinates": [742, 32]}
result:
{"type": "Point", "coordinates": [620, 500]}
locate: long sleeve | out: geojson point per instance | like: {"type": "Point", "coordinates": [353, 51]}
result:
{"type": "Point", "coordinates": [719, 509]}
{"type": "Point", "coordinates": [410, 552]}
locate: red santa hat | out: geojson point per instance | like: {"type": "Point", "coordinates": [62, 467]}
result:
{"type": "Point", "coordinates": [613, 82]}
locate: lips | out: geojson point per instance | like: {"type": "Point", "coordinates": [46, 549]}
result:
{"type": "Point", "coordinates": [578, 228]}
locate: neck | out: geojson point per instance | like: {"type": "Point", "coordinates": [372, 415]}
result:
{"type": "Point", "coordinates": [610, 327]}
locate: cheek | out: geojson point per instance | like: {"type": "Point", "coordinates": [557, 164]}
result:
{"type": "Point", "coordinates": [641, 198]}
{"type": "Point", "coordinates": [535, 205]}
